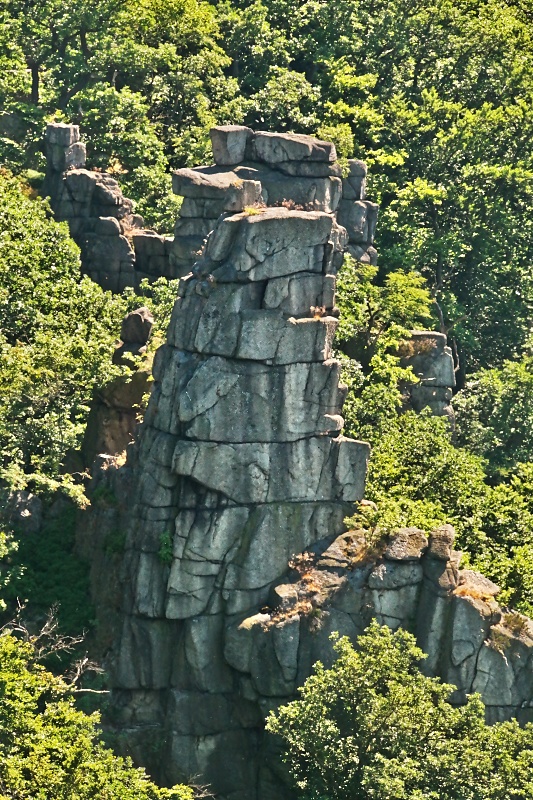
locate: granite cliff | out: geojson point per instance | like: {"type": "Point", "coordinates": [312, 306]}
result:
{"type": "Point", "coordinates": [237, 564]}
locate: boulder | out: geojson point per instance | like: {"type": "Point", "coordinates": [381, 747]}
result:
{"type": "Point", "coordinates": [275, 148]}
{"type": "Point", "coordinates": [406, 544]}
{"type": "Point", "coordinates": [137, 326]}
{"type": "Point", "coordinates": [229, 143]}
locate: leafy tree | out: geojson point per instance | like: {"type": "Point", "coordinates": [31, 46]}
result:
{"type": "Point", "coordinates": [495, 414]}
{"type": "Point", "coordinates": [373, 726]}
{"type": "Point", "coordinates": [56, 343]}
{"type": "Point", "coordinates": [122, 140]}
{"type": "Point", "coordinates": [374, 319]}
{"type": "Point", "coordinates": [57, 337]}
{"type": "Point", "coordinates": [49, 749]}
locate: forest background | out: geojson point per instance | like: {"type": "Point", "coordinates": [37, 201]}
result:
{"type": "Point", "coordinates": [436, 97]}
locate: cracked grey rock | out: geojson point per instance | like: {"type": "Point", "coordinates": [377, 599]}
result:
{"type": "Point", "coordinates": [216, 399]}
{"type": "Point", "coordinates": [276, 148]}
{"type": "Point", "coordinates": [395, 575]}
{"type": "Point", "coordinates": [406, 544]}
{"type": "Point", "coordinates": [229, 143]}
{"type": "Point", "coordinates": [273, 243]}
{"type": "Point", "coordinates": [441, 543]}
{"type": "Point", "coordinates": [307, 470]}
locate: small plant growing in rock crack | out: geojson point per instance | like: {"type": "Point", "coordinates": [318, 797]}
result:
{"type": "Point", "coordinates": [516, 622]}
{"type": "Point", "coordinates": [165, 551]}
{"type": "Point", "coordinates": [499, 640]}
{"type": "Point", "coordinates": [317, 617]}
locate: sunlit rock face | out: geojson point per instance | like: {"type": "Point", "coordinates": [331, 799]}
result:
{"type": "Point", "coordinates": [237, 564]}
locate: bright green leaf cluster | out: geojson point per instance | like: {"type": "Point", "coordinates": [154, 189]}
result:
{"type": "Point", "coordinates": [373, 727]}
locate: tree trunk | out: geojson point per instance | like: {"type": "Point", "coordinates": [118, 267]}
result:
{"type": "Point", "coordinates": [34, 97]}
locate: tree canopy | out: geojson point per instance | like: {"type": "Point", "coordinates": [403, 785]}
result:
{"type": "Point", "coordinates": [372, 727]}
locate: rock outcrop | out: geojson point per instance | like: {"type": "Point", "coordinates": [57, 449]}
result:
{"type": "Point", "coordinates": [115, 249]}
{"type": "Point", "coordinates": [237, 566]}
{"type": "Point", "coordinates": [432, 363]}
{"type": "Point", "coordinates": [407, 580]}
{"type": "Point", "coordinates": [241, 464]}
{"type": "Point", "coordinates": [253, 169]}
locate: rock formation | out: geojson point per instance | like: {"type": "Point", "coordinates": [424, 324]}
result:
{"type": "Point", "coordinates": [432, 363]}
{"type": "Point", "coordinates": [251, 169]}
{"type": "Point", "coordinates": [237, 565]}
{"type": "Point", "coordinates": [240, 464]}
{"type": "Point", "coordinates": [115, 249]}
{"type": "Point", "coordinates": [259, 168]}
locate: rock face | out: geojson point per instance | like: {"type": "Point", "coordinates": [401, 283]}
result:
{"type": "Point", "coordinates": [432, 363]}
{"type": "Point", "coordinates": [115, 250]}
{"type": "Point", "coordinates": [253, 169]}
{"type": "Point", "coordinates": [240, 465]}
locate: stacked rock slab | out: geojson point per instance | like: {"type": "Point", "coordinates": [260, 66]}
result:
{"type": "Point", "coordinates": [241, 465]}
{"type": "Point", "coordinates": [115, 250]}
{"type": "Point", "coordinates": [432, 363]}
{"type": "Point", "coordinates": [260, 168]}
{"type": "Point", "coordinates": [357, 215]}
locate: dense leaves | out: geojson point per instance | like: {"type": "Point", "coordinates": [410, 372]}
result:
{"type": "Point", "coordinates": [373, 726]}
{"type": "Point", "coordinates": [50, 749]}
{"type": "Point", "coordinates": [57, 333]}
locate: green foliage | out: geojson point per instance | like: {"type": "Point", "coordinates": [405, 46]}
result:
{"type": "Point", "coordinates": [47, 573]}
{"type": "Point", "coordinates": [56, 342]}
{"type": "Point", "coordinates": [8, 549]}
{"type": "Point", "coordinates": [122, 140]}
{"type": "Point", "coordinates": [495, 414]}
{"type": "Point", "coordinates": [166, 547]}
{"type": "Point", "coordinates": [49, 749]}
{"type": "Point", "coordinates": [373, 726]}
{"type": "Point", "coordinates": [417, 477]}
{"type": "Point", "coordinates": [374, 319]}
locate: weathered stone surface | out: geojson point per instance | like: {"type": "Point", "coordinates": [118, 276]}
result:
{"type": "Point", "coordinates": [474, 582]}
{"type": "Point", "coordinates": [441, 543]}
{"type": "Point", "coordinates": [359, 218]}
{"type": "Point", "coordinates": [229, 143]}
{"type": "Point", "coordinates": [207, 183]}
{"type": "Point", "coordinates": [394, 575]}
{"type": "Point", "coordinates": [239, 473]}
{"type": "Point", "coordinates": [354, 184]}
{"type": "Point", "coordinates": [313, 194]}
{"type": "Point", "coordinates": [272, 244]}
{"type": "Point", "coordinates": [443, 576]}
{"type": "Point", "coordinates": [269, 473]}
{"type": "Point", "coordinates": [227, 321]}
{"type": "Point", "coordinates": [216, 399]}
{"type": "Point", "coordinates": [309, 169]}
{"type": "Point", "coordinates": [62, 134]}
{"type": "Point", "coordinates": [98, 215]}
{"type": "Point", "coordinates": [276, 148]}
{"type": "Point", "coordinates": [406, 544]}
{"type": "Point", "coordinates": [301, 295]}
